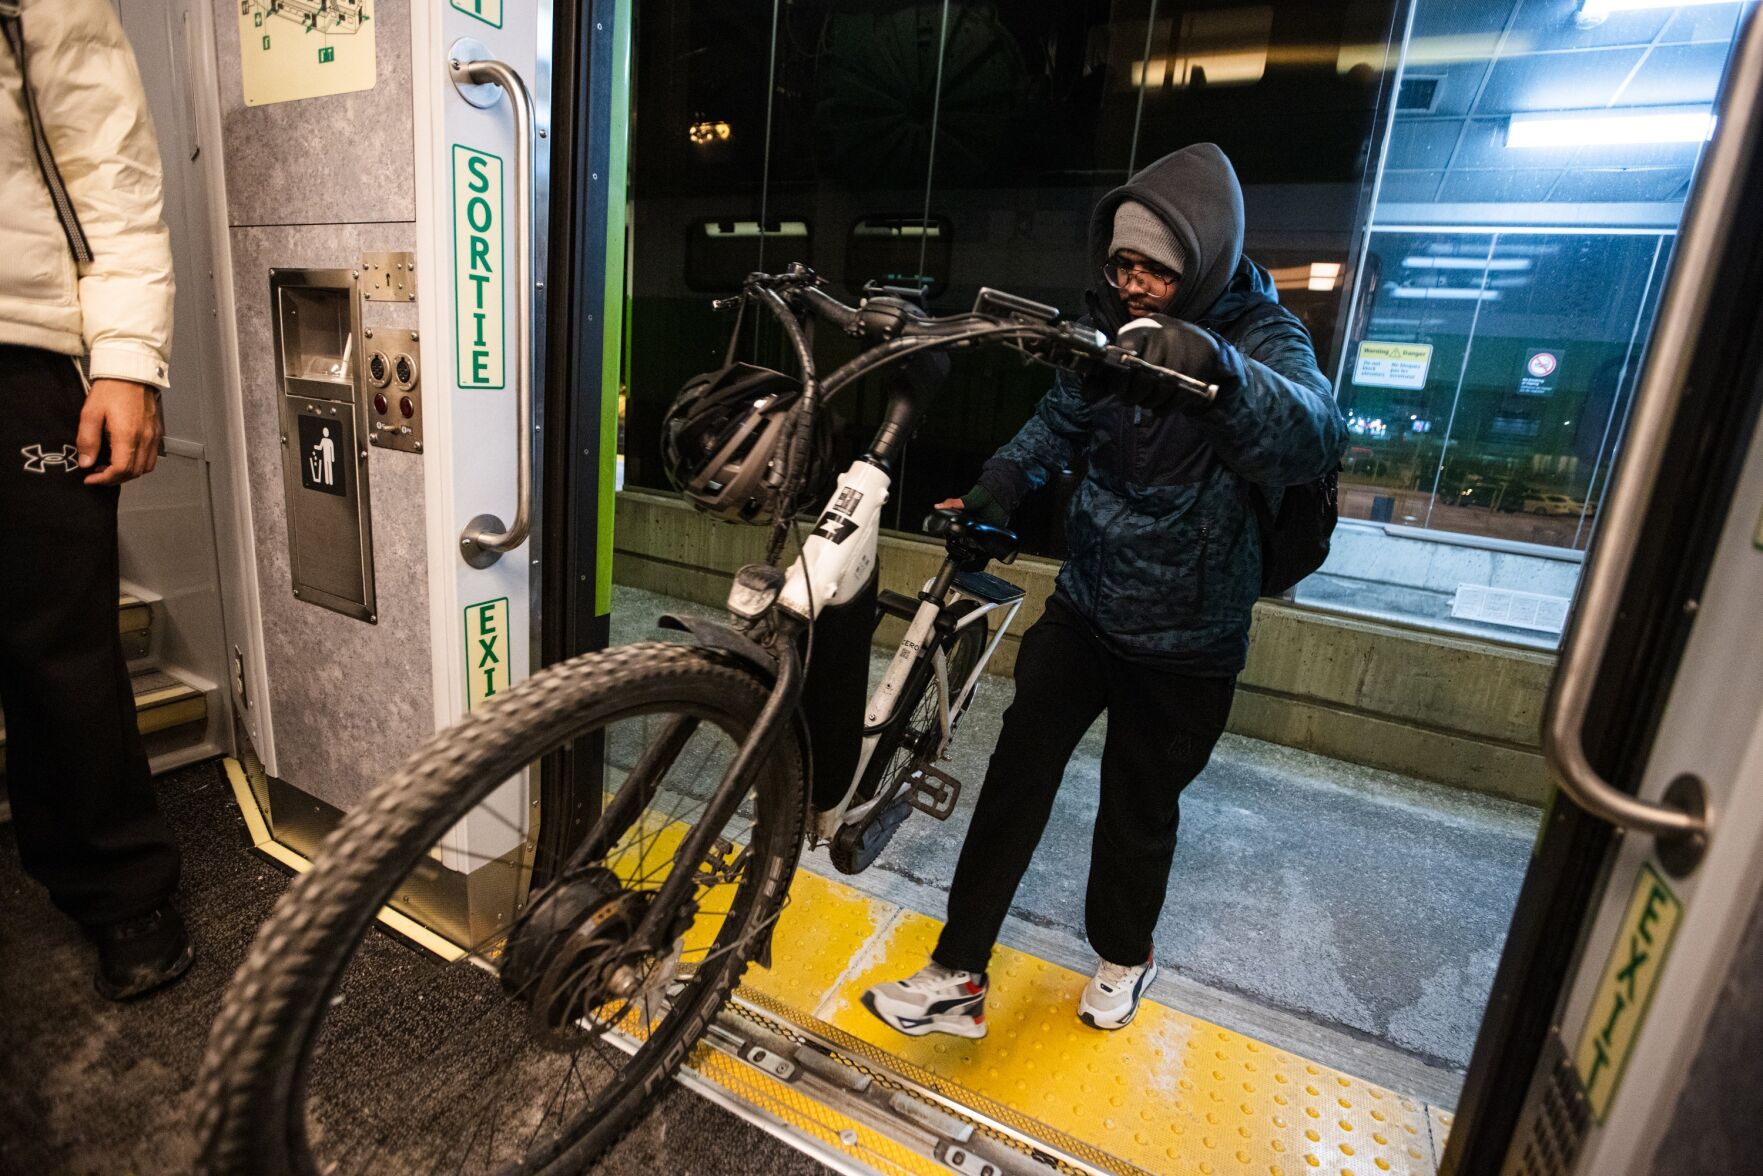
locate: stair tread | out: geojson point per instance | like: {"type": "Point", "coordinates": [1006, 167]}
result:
{"type": "Point", "coordinates": [162, 700]}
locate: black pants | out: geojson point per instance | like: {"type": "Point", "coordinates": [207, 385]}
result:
{"type": "Point", "coordinates": [1161, 731]}
{"type": "Point", "coordinates": [82, 801]}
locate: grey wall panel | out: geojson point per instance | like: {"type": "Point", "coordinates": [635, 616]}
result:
{"type": "Point", "coordinates": [1714, 1126]}
{"type": "Point", "coordinates": [350, 700]}
{"type": "Point", "coordinates": [342, 159]}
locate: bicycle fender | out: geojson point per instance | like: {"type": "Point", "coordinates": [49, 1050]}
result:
{"type": "Point", "coordinates": [717, 635]}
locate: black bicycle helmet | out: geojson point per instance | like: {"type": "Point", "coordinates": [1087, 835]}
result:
{"type": "Point", "coordinates": [725, 442]}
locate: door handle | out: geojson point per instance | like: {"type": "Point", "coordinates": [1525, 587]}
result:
{"type": "Point", "coordinates": [1680, 821]}
{"type": "Point", "coordinates": [482, 83]}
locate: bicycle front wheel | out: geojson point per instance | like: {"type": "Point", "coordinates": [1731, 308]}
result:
{"type": "Point", "coordinates": [338, 1049]}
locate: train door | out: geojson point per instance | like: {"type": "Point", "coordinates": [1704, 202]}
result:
{"type": "Point", "coordinates": [1574, 1069]}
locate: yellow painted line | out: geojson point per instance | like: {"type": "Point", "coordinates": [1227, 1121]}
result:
{"type": "Point", "coordinates": [265, 843]}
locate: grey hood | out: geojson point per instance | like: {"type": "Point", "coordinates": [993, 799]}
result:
{"type": "Point", "coordinates": [1195, 191]}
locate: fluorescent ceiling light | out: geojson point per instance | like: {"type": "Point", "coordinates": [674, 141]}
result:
{"type": "Point", "coordinates": [1593, 13]}
{"type": "Point", "coordinates": [1446, 293]}
{"type": "Point", "coordinates": [1324, 275]}
{"type": "Point", "coordinates": [1467, 263]}
{"type": "Point", "coordinates": [1602, 128]}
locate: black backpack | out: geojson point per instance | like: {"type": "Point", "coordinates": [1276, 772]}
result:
{"type": "Point", "coordinates": [1294, 542]}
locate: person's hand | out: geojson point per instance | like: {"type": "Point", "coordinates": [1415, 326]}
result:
{"type": "Point", "coordinates": [950, 504]}
{"type": "Point", "coordinates": [128, 413]}
{"type": "Point", "coordinates": [1179, 347]}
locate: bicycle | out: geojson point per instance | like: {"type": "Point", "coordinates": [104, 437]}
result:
{"type": "Point", "coordinates": [592, 983]}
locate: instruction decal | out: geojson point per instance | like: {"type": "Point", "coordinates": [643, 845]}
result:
{"type": "Point", "coordinates": [477, 266]}
{"type": "Point", "coordinates": [322, 460]}
{"type": "Point", "coordinates": [486, 651]}
{"type": "Point", "coordinates": [293, 51]}
{"type": "Point", "coordinates": [1540, 366]}
{"type": "Point", "coordinates": [1392, 365]}
{"type": "Point", "coordinates": [488, 11]}
{"type": "Point", "coordinates": [1626, 990]}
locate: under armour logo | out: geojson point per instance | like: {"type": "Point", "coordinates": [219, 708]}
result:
{"type": "Point", "coordinates": [36, 461]}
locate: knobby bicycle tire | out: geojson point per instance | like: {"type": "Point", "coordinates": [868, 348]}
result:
{"type": "Point", "coordinates": [251, 1094]}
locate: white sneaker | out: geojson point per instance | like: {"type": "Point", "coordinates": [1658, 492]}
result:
{"type": "Point", "coordinates": [1111, 998]}
{"type": "Point", "coordinates": [934, 999]}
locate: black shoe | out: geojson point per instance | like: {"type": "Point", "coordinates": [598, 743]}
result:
{"type": "Point", "coordinates": [141, 954]}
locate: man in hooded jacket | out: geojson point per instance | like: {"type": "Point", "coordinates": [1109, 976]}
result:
{"type": "Point", "coordinates": [1150, 617]}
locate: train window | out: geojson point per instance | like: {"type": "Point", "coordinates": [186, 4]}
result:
{"type": "Point", "coordinates": [909, 251]}
{"type": "Point", "coordinates": [720, 252]}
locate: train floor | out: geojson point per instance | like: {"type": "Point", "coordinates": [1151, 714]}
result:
{"type": "Point", "coordinates": [1352, 916]}
{"type": "Point", "coordinates": [90, 1088]}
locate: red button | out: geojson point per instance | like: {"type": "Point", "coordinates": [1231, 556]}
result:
{"type": "Point", "coordinates": [407, 406]}
{"type": "Point", "coordinates": [379, 403]}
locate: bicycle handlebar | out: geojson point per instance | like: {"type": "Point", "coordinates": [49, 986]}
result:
{"type": "Point", "coordinates": [894, 327]}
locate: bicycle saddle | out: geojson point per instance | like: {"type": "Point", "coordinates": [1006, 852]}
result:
{"type": "Point", "coordinates": [968, 539]}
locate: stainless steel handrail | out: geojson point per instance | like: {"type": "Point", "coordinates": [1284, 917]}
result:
{"type": "Point", "coordinates": [1707, 226]}
{"type": "Point", "coordinates": [485, 539]}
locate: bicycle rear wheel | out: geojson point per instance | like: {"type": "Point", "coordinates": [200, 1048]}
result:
{"type": "Point", "coordinates": [340, 1050]}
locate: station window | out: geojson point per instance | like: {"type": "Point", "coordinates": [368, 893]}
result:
{"type": "Point", "coordinates": [1473, 217]}
{"type": "Point", "coordinates": [1535, 172]}
{"type": "Point", "coordinates": [909, 251]}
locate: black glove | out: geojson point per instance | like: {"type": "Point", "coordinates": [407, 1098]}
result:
{"type": "Point", "coordinates": [1180, 347]}
{"type": "Point", "coordinates": [979, 503]}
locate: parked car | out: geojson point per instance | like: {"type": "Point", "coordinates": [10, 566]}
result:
{"type": "Point", "coordinates": [1552, 504]}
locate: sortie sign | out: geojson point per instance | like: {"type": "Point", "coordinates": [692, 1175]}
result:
{"type": "Point", "coordinates": [477, 266]}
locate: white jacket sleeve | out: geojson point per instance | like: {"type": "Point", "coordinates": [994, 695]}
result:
{"type": "Point", "coordinates": [95, 114]}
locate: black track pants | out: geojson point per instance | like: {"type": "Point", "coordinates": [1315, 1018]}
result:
{"type": "Point", "coordinates": [82, 802]}
{"type": "Point", "coordinates": [1161, 731]}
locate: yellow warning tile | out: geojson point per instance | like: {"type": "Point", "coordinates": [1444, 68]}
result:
{"type": "Point", "coordinates": [822, 929]}
{"type": "Point", "coordinates": [1170, 1093]}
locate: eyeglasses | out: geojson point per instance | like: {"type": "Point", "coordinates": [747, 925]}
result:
{"type": "Point", "coordinates": [1153, 280]}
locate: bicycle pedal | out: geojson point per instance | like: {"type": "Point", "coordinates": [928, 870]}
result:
{"type": "Point", "coordinates": [932, 791]}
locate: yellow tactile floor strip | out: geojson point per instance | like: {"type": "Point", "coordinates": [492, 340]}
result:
{"type": "Point", "coordinates": [1171, 1093]}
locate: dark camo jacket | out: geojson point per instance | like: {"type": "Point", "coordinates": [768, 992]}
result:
{"type": "Point", "coordinates": [1164, 549]}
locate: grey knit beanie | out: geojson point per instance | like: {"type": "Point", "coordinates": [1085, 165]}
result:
{"type": "Point", "coordinates": [1138, 228]}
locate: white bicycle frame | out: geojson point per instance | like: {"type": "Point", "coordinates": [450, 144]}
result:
{"type": "Point", "coordinates": [835, 564]}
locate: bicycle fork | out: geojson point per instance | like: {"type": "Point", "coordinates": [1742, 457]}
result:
{"type": "Point", "coordinates": [658, 923]}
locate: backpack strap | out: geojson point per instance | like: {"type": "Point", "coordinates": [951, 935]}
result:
{"type": "Point", "coordinates": [12, 27]}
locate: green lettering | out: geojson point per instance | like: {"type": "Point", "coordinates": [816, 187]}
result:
{"type": "Point", "coordinates": [487, 652]}
{"type": "Point", "coordinates": [480, 253]}
{"type": "Point", "coordinates": [484, 617]}
{"type": "Point", "coordinates": [480, 281]}
{"type": "Point", "coordinates": [1630, 973]}
{"type": "Point", "coordinates": [489, 683]}
{"type": "Point", "coordinates": [480, 181]}
{"type": "Point", "coordinates": [480, 367]}
{"type": "Point", "coordinates": [1649, 913]}
{"type": "Point", "coordinates": [480, 316]}
{"type": "Point", "coordinates": [474, 208]}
